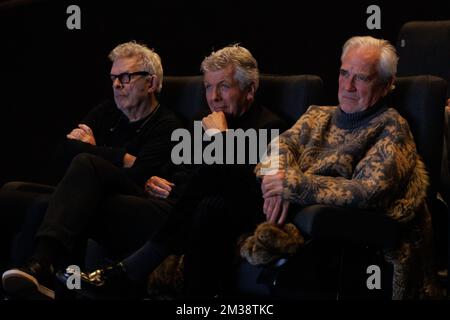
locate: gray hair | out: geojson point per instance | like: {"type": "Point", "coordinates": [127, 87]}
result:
{"type": "Point", "coordinates": [387, 65]}
{"type": "Point", "coordinates": [240, 58]}
{"type": "Point", "coordinates": [150, 60]}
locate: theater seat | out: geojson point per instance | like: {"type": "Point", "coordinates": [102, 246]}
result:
{"type": "Point", "coordinates": [423, 48]}
{"type": "Point", "coordinates": [289, 95]}
{"type": "Point", "coordinates": [286, 95]}
{"type": "Point", "coordinates": [185, 95]}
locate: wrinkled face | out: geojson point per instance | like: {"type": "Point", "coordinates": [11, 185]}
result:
{"type": "Point", "coordinates": [130, 95]}
{"type": "Point", "coordinates": [224, 94]}
{"type": "Point", "coordinates": [359, 82]}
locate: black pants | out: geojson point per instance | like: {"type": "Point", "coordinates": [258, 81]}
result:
{"type": "Point", "coordinates": [221, 203]}
{"type": "Point", "coordinates": [97, 200]}
{"type": "Point", "coordinates": [22, 206]}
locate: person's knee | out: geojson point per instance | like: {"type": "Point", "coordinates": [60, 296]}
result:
{"type": "Point", "coordinates": [83, 158]}
{"type": "Point", "coordinates": [85, 161]}
{"type": "Point", "coordinates": [81, 166]}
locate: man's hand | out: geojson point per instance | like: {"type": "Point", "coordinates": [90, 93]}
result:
{"type": "Point", "coordinates": [83, 133]}
{"type": "Point", "coordinates": [158, 187]}
{"type": "Point", "coordinates": [128, 160]}
{"type": "Point", "coordinates": [272, 185]}
{"type": "Point", "coordinates": [276, 209]}
{"type": "Point", "coordinates": [215, 120]}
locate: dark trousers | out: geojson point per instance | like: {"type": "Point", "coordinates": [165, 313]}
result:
{"type": "Point", "coordinates": [22, 207]}
{"type": "Point", "coordinates": [221, 203]}
{"type": "Point", "coordinates": [97, 200]}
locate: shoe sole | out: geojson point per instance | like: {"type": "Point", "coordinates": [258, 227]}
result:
{"type": "Point", "coordinates": [21, 284]}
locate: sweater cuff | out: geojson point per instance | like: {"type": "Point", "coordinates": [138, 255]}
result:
{"type": "Point", "coordinates": [291, 184]}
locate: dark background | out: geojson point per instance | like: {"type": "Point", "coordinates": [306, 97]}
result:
{"type": "Point", "coordinates": [51, 76]}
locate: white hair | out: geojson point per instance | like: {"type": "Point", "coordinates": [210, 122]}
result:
{"type": "Point", "coordinates": [150, 60]}
{"type": "Point", "coordinates": [246, 67]}
{"type": "Point", "coordinates": [387, 64]}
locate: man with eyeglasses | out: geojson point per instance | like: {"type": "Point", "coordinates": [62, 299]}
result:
{"type": "Point", "coordinates": [115, 148]}
{"type": "Point", "coordinates": [136, 76]}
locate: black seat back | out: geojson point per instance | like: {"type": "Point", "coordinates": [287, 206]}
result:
{"type": "Point", "coordinates": [286, 95]}
{"type": "Point", "coordinates": [185, 95]}
{"type": "Point", "coordinates": [420, 100]}
{"type": "Point", "coordinates": [424, 48]}
{"type": "Point", "coordinates": [289, 96]}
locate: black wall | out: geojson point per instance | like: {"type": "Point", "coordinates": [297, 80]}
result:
{"type": "Point", "coordinates": [51, 76]}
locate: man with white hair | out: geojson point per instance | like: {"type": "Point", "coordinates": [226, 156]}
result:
{"type": "Point", "coordinates": [360, 154]}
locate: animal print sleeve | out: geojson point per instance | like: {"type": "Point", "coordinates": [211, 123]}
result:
{"type": "Point", "coordinates": [287, 147]}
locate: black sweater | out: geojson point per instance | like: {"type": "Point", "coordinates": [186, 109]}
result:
{"type": "Point", "coordinates": [257, 117]}
{"type": "Point", "coordinates": [147, 139]}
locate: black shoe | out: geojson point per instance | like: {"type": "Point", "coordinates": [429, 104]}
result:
{"type": "Point", "coordinates": [111, 282]}
{"type": "Point", "coordinates": [33, 281]}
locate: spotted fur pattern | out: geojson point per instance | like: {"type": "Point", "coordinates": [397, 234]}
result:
{"type": "Point", "coordinates": [270, 242]}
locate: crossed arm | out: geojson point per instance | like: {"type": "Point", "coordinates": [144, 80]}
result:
{"type": "Point", "coordinates": [161, 188]}
{"type": "Point", "coordinates": [85, 134]}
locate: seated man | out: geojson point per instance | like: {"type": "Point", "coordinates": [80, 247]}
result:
{"type": "Point", "coordinates": [360, 154]}
{"type": "Point", "coordinates": [122, 133]}
{"type": "Point", "coordinates": [126, 144]}
{"type": "Point", "coordinates": [231, 78]}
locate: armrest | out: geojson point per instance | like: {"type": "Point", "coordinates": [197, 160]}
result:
{"type": "Point", "coordinates": [28, 187]}
{"type": "Point", "coordinates": [355, 226]}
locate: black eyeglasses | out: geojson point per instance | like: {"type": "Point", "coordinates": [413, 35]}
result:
{"type": "Point", "coordinates": [125, 77]}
